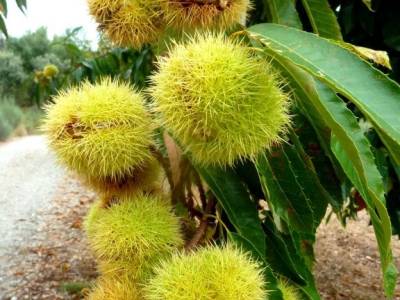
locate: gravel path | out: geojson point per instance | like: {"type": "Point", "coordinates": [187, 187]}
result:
{"type": "Point", "coordinates": [28, 180]}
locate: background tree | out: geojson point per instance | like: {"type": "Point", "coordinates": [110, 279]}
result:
{"type": "Point", "coordinates": [12, 73]}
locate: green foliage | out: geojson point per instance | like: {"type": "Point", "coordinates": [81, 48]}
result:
{"type": "Point", "coordinates": [25, 58]}
{"type": "Point", "coordinates": [125, 64]}
{"type": "Point", "coordinates": [375, 29]}
{"type": "Point", "coordinates": [40, 62]}
{"type": "Point", "coordinates": [10, 117]}
{"type": "Point", "coordinates": [242, 212]}
{"type": "Point", "coordinates": [12, 73]}
{"type": "Point", "coordinates": [347, 160]}
{"type": "Point", "coordinates": [30, 54]}
{"type": "Point", "coordinates": [32, 119]}
{"type": "Point", "coordinates": [281, 12]}
{"type": "Point", "coordinates": [361, 168]}
{"type": "Point", "coordinates": [322, 18]}
{"type": "Point", "coordinates": [30, 46]}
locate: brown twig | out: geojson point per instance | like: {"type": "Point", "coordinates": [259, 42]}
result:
{"type": "Point", "coordinates": [178, 192]}
{"type": "Point", "coordinates": [201, 230]}
{"type": "Point", "coordinates": [165, 164]}
{"type": "Point", "coordinates": [190, 203]}
{"type": "Point", "coordinates": [202, 193]}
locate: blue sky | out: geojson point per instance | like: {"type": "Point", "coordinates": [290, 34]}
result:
{"type": "Point", "coordinates": [56, 15]}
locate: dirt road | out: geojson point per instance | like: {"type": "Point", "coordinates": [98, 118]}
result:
{"type": "Point", "coordinates": [29, 177]}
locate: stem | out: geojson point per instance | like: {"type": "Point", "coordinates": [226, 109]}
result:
{"type": "Point", "coordinates": [202, 193]}
{"type": "Point", "coordinates": [165, 164]}
{"type": "Point", "coordinates": [178, 191]}
{"type": "Point", "coordinates": [201, 230]}
{"type": "Point", "coordinates": [190, 205]}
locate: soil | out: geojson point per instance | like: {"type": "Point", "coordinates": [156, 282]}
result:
{"type": "Point", "coordinates": [51, 253]}
{"type": "Point", "coordinates": [348, 265]}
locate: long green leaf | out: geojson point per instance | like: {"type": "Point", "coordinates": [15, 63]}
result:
{"type": "Point", "coordinates": [322, 19]}
{"type": "Point", "coordinates": [294, 207]}
{"type": "Point", "coordinates": [294, 194]}
{"type": "Point", "coordinates": [283, 255]}
{"type": "Point", "coordinates": [381, 225]}
{"type": "Point", "coordinates": [283, 12]}
{"type": "Point", "coordinates": [3, 27]}
{"type": "Point", "coordinates": [377, 96]}
{"type": "Point", "coordinates": [3, 7]}
{"type": "Point", "coordinates": [292, 188]}
{"type": "Point", "coordinates": [315, 136]}
{"type": "Point", "coordinates": [361, 168]}
{"type": "Point", "coordinates": [368, 3]}
{"type": "Point", "coordinates": [21, 5]}
{"type": "Point", "coordinates": [308, 180]}
{"type": "Point", "coordinates": [236, 202]}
